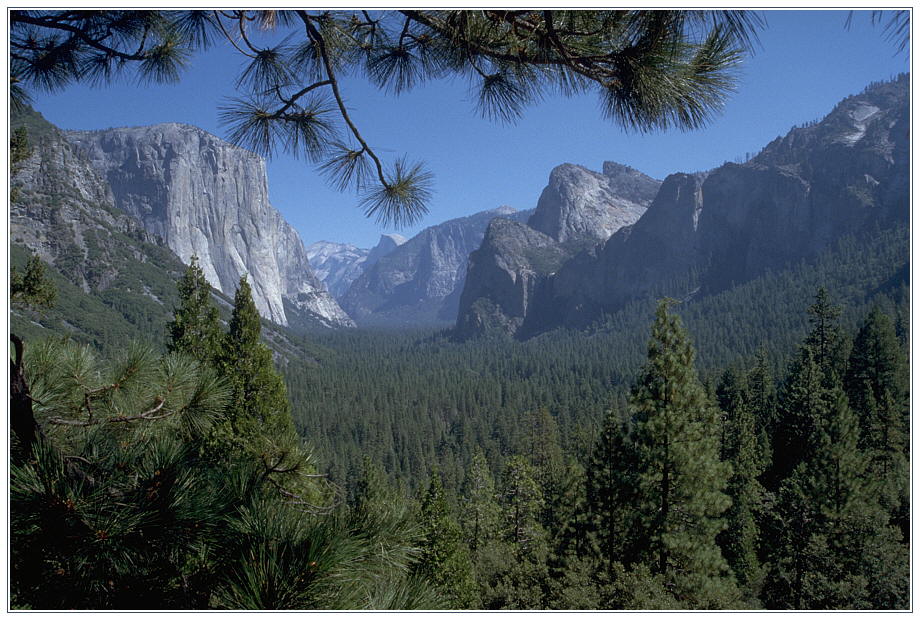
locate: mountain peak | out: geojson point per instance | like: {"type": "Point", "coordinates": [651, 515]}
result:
{"type": "Point", "coordinates": [580, 206]}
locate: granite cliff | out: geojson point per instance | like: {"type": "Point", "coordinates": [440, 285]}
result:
{"type": "Point", "coordinates": [847, 174]}
{"type": "Point", "coordinates": [203, 196]}
{"type": "Point", "coordinates": [578, 209]}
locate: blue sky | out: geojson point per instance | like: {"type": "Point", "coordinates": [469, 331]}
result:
{"type": "Point", "coordinates": [807, 62]}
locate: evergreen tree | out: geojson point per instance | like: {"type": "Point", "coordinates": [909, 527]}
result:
{"type": "Point", "coordinates": [761, 393]}
{"type": "Point", "coordinates": [825, 339]}
{"type": "Point", "coordinates": [550, 470]}
{"type": "Point", "coordinates": [833, 546]}
{"type": "Point", "coordinates": [522, 584]}
{"type": "Point", "coordinates": [680, 480]}
{"type": "Point", "coordinates": [32, 287]}
{"type": "Point", "coordinates": [611, 486]}
{"type": "Point", "coordinates": [444, 560]}
{"type": "Point", "coordinates": [739, 541]}
{"type": "Point", "coordinates": [522, 500]}
{"type": "Point", "coordinates": [481, 515]}
{"type": "Point", "coordinates": [803, 402]}
{"type": "Point", "coordinates": [195, 328]}
{"type": "Point", "coordinates": [259, 412]}
{"type": "Point", "coordinates": [877, 385]}
{"type": "Point", "coordinates": [877, 388]}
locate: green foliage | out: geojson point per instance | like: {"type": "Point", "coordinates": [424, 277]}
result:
{"type": "Point", "coordinates": [195, 328]}
{"type": "Point", "coordinates": [740, 447]}
{"type": "Point", "coordinates": [830, 524]}
{"type": "Point", "coordinates": [876, 383]}
{"type": "Point", "coordinates": [481, 513]}
{"type": "Point", "coordinates": [680, 479]}
{"type": "Point", "coordinates": [19, 152]}
{"type": "Point", "coordinates": [258, 416]}
{"type": "Point", "coordinates": [444, 558]}
{"type": "Point", "coordinates": [32, 286]}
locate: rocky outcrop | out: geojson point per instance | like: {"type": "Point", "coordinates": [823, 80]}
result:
{"type": "Point", "coordinates": [504, 275]}
{"type": "Point", "coordinates": [420, 281]}
{"type": "Point", "coordinates": [64, 211]}
{"type": "Point", "coordinates": [580, 207]}
{"type": "Point", "coordinates": [704, 233]}
{"type": "Point", "coordinates": [206, 197]}
{"type": "Point", "coordinates": [387, 243]}
{"type": "Point", "coordinates": [340, 264]}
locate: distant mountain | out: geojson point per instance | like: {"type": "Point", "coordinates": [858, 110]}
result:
{"type": "Point", "coordinates": [704, 233]}
{"type": "Point", "coordinates": [578, 209]}
{"type": "Point", "coordinates": [419, 282]}
{"type": "Point", "coordinates": [339, 264]}
{"type": "Point", "coordinates": [206, 197]}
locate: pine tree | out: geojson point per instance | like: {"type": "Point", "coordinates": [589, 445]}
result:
{"type": "Point", "coordinates": [877, 388]}
{"type": "Point", "coordinates": [762, 400]}
{"type": "Point", "coordinates": [195, 328]}
{"type": "Point", "coordinates": [833, 547]}
{"type": "Point", "coordinates": [650, 70]}
{"type": "Point", "coordinates": [481, 515]}
{"type": "Point", "coordinates": [739, 541]}
{"type": "Point", "coordinates": [259, 413]}
{"type": "Point", "coordinates": [876, 384]}
{"type": "Point", "coordinates": [444, 559]}
{"type": "Point", "coordinates": [680, 479]}
{"type": "Point", "coordinates": [803, 401]}
{"type": "Point", "coordinates": [611, 487]}
{"type": "Point", "coordinates": [825, 339]}
{"type": "Point", "coordinates": [522, 584]}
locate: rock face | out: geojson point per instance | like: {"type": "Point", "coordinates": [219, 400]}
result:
{"type": "Point", "coordinates": [340, 264]}
{"type": "Point", "coordinates": [704, 233]}
{"type": "Point", "coordinates": [419, 282]}
{"type": "Point", "coordinates": [336, 264]}
{"type": "Point", "coordinates": [504, 275]}
{"type": "Point", "coordinates": [206, 197]}
{"type": "Point", "coordinates": [578, 209]}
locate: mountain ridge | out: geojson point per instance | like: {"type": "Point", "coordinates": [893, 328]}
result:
{"type": "Point", "coordinates": [706, 232]}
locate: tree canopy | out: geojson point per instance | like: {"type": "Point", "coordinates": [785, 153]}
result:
{"type": "Point", "coordinates": [651, 69]}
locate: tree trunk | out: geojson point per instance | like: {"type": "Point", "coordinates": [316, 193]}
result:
{"type": "Point", "coordinates": [22, 419]}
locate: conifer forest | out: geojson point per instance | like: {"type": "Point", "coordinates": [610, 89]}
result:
{"type": "Point", "coordinates": [705, 407]}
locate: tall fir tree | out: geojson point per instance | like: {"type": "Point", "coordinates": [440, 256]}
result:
{"type": "Point", "coordinates": [802, 403]}
{"type": "Point", "coordinates": [739, 540]}
{"type": "Point", "coordinates": [258, 416]}
{"type": "Point", "coordinates": [444, 560]}
{"type": "Point", "coordinates": [611, 487]}
{"type": "Point", "coordinates": [195, 328]}
{"type": "Point", "coordinates": [833, 546]}
{"type": "Point", "coordinates": [825, 338]}
{"type": "Point", "coordinates": [482, 514]}
{"type": "Point", "coordinates": [761, 392]}
{"type": "Point", "coordinates": [680, 478]}
{"type": "Point", "coordinates": [877, 385]}
{"type": "Point", "coordinates": [522, 584]}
